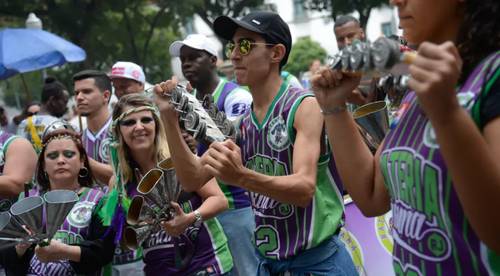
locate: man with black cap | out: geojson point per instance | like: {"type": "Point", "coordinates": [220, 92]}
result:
{"type": "Point", "coordinates": [281, 157]}
{"type": "Point", "coordinates": [198, 62]}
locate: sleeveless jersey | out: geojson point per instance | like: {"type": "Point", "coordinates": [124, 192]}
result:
{"type": "Point", "coordinates": [237, 197]}
{"type": "Point", "coordinates": [211, 252]}
{"type": "Point", "coordinates": [97, 146]}
{"type": "Point", "coordinates": [284, 230]}
{"type": "Point", "coordinates": [432, 235]}
{"type": "Point", "coordinates": [74, 230]}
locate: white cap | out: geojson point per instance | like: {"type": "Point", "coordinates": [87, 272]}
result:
{"type": "Point", "coordinates": [128, 70]}
{"type": "Point", "coordinates": [195, 41]}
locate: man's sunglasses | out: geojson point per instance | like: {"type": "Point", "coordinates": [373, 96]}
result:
{"type": "Point", "coordinates": [244, 46]}
{"type": "Point", "coordinates": [131, 122]}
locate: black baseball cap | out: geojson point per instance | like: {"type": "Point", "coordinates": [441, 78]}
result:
{"type": "Point", "coordinates": [268, 24]}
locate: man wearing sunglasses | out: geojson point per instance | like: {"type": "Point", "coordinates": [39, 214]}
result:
{"type": "Point", "coordinates": [92, 94]}
{"type": "Point", "coordinates": [281, 157]}
{"type": "Point", "coordinates": [199, 66]}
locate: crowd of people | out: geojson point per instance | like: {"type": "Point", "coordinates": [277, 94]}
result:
{"type": "Point", "coordinates": [271, 201]}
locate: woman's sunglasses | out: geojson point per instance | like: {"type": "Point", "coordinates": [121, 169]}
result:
{"type": "Point", "coordinates": [244, 46]}
{"type": "Point", "coordinates": [131, 122]}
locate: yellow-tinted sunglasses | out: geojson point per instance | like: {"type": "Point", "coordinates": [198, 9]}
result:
{"type": "Point", "coordinates": [244, 46]}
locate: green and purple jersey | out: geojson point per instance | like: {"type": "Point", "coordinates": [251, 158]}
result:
{"type": "Point", "coordinates": [432, 235]}
{"type": "Point", "coordinates": [284, 230]}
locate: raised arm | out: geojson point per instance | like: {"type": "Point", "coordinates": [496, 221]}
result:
{"type": "Point", "coordinates": [358, 168]}
{"type": "Point", "coordinates": [20, 162]}
{"type": "Point", "coordinates": [189, 170]}
{"type": "Point", "coordinates": [224, 161]}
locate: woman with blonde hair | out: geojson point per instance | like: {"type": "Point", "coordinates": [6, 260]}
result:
{"type": "Point", "coordinates": [140, 144]}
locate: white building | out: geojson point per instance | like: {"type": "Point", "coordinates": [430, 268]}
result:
{"type": "Point", "coordinates": [317, 25]}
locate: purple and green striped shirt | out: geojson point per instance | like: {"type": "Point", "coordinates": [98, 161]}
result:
{"type": "Point", "coordinates": [284, 230]}
{"type": "Point", "coordinates": [431, 232]}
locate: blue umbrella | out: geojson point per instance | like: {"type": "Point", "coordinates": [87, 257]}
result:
{"type": "Point", "coordinates": [26, 50]}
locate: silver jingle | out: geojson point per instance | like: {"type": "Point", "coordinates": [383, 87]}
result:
{"type": "Point", "coordinates": [191, 121]}
{"type": "Point", "coordinates": [356, 57]}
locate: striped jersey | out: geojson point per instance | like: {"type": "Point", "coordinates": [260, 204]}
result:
{"type": "Point", "coordinates": [284, 230]}
{"type": "Point", "coordinates": [233, 101]}
{"type": "Point", "coordinates": [211, 252]}
{"type": "Point", "coordinates": [432, 235]}
{"type": "Point", "coordinates": [75, 229]}
{"type": "Point", "coordinates": [97, 145]}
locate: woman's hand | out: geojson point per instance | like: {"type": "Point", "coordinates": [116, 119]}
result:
{"type": "Point", "coordinates": [21, 248]}
{"type": "Point", "coordinates": [162, 99]}
{"type": "Point", "coordinates": [434, 76]}
{"type": "Point", "coordinates": [55, 251]}
{"type": "Point", "coordinates": [332, 87]}
{"type": "Point", "coordinates": [181, 221]}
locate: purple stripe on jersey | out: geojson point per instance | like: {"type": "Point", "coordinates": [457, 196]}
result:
{"type": "Point", "coordinates": [97, 147]}
{"type": "Point", "coordinates": [74, 230]}
{"type": "Point", "coordinates": [431, 233]}
{"type": "Point", "coordinates": [282, 230]}
{"type": "Point", "coordinates": [159, 253]}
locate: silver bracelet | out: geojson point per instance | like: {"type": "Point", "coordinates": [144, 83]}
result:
{"type": "Point", "coordinates": [334, 110]}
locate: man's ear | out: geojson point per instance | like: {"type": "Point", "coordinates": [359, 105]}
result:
{"type": "Point", "coordinates": [213, 61]}
{"type": "Point", "coordinates": [107, 95]}
{"type": "Point", "coordinates": [278, 53]}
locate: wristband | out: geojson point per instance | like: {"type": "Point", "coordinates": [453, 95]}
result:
{"type": "Point", "coordinates": [198, 218]}
{"type": "Point", "coordinates": [334, 110]}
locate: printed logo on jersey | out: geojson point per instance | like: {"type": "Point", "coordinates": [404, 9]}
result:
{"type": "Point", "coordinates": [430, 136]}
{"type": "Point", "coordinates": [466, 100]}
{"type": "Point", "coordinates": [277, 137]}
{"type": "Point", "coordinates": [238, 109]}
{"type": "Point", "coordinates": [81, 214]}
{"type": "Point", "coordinates": [417, 204]}
{"type": "Point", "coordinates": [104, 149]}
{"type": "Point", "coordinates": [266, 207]}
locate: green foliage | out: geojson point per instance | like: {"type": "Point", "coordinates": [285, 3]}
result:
{"type": "Point", "coordinates": [304, 51]}
{"type": "Point", "coordinates": [129, 30]}
{"type": "Point", "coordinates": [109, 31]}
{"type": "Point", "coordinates": [339, 7]}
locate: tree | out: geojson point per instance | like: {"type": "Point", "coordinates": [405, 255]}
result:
{"type": "Point", "coordinates": [304, 51]}
{"type": "Point", "coordinates": [338, 7]}
{"type": "Point", "coordinates": [209, 10]}
{"type": "Point", "coordinates": [132, 30]}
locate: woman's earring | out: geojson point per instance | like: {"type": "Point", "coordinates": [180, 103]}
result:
{"type": "Point", "coordinates": [84, 172]}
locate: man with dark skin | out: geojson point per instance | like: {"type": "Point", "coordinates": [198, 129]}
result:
{"type": "Point", "coordinates": [199, 66]}
{"type": "Point", "coordinates": [347, 29]}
